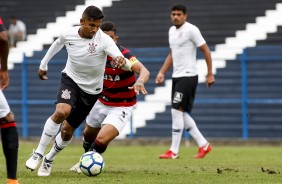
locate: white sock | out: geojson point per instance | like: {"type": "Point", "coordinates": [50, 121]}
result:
{"type": "Point", "coordinates": [177, 130]}
{"type": "Point", "coordinates": [49, 132]}
{"type": "Point", "coordinates": [191, 126]}
{"type": "Point", "coordinates": [58, 146]}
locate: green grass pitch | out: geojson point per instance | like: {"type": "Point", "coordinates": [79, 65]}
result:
{"type": "Point", "coordinates": [130, 164]}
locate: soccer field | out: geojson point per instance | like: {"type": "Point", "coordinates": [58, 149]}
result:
{"type": "Point", "coordinates": [140, 164]}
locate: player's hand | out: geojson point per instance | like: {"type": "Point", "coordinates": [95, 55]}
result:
{"type": "Point", "coordinates": [160, 78]}
{"type": "Point", "coordinates": [4, 79]}
{"type": "Point", "coordinates": [137, 87]}
{"type": "Point", "coordinates": [210, 80]}
{"type": "Point", "coordinates": [120, 61]}
{"type": "Point", "coordinates": [42, 74]}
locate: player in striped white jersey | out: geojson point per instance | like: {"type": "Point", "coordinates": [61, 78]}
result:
{"type": "Point", "coordinates": [81, 83]}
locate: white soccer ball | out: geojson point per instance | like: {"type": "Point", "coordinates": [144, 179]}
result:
{"type": "Point", "coordinates": [91, 163]}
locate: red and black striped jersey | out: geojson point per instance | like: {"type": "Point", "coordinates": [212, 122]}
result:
{"type": "Point", "coordinates": [116, 82]}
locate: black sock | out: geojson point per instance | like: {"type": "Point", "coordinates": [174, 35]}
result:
{"type": "Point", "coordinates": [10, 144]}
{"type": "Point", "coordinates": [98, 147]}
{"type": "Point", "coordinates": [87, 145]}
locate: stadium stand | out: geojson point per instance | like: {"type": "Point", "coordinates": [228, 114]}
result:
{"type": "Point", "coordinates": [36, 14]}
{"type": "Point", "coordinates": [137, 27]}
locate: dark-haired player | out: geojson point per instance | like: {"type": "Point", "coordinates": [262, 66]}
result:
{"type": "Point", "coordinates": [9, 133]}
{"type": "Point", "coordinates": [114, 107]}
{"type": "Point", "coordinates": [184, 38]}
{"type": "Point", "coordinates": [81, 83]}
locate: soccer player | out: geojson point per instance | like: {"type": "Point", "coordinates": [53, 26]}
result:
{"type": "Point", "coordinates": [184, 38]}
{"type": "Point", "coordinates": [114, 107]}
{"type": "Point", "coordinates": [9, 133]}
{"type": "Point", "coordinates": [81, 83]}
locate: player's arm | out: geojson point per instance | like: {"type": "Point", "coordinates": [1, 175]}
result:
{"type": "Point", "coordinates": [112, 50]}
{"type": "Point", "coordinates": [54, 48]}
{"type": "Point", "coordinates": [166, 66]}
{"type": "Point", "coordinates": [207, 54]}
{"type": "Point", "coordinates": [4, 51]}
{"type": "Point", "coordinates": [143, 73]}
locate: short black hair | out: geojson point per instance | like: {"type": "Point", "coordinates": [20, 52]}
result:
{"type": "Point", "coordinates": [93, 13]}
{"type": "Point", "coordinates": [108, 26]}
{"type": "Point", "coordinates": [179, 7]}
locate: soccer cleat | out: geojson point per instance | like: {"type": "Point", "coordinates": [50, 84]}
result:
{"type": "Point", "coordinates": [45, 168]}
{"type": "Point", "coordinates": [76, 168]}
{"type": "Point", "coordinates": [12, 181]}
{"type": "Point", "coordinates": [33, 162]}
{"type": "Point", "coordinates": [169, 155]}
{"type": "Point", "coordinates": [203, 151]}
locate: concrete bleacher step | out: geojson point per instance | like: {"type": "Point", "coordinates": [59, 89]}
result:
{"type": "Point", "coordinates": [36, 14]}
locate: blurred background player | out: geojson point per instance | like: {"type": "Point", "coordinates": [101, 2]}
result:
{"type": "Point", "coordinates": [184, 38]}
{"type": "Point", "coordinates": [17, 31]}
{"type": "Point", "coordinates": [9, 133]}
{"type": "Point", "coordinates": [81, 83]}
{"type": "Point", "coordinates": [114, 107]}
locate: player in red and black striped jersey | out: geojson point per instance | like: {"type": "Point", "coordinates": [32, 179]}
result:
{"type": "Point", "coordinates": [9, 133]}
{"type": "Point", "coordinates": [116, 81]}
{"type": "Point", "coordinates": [114, 108]}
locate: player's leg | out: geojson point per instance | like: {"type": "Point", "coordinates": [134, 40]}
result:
{"type": "Point", "coordinates": [112, 125]}
{"type": "Point", "coordinates": [177, 97]}
{"type": "Point", "coordinates": [107, 133]}
{"type": "Point", "coordinates": [204, 146]}
{"type": "Point", "coordinates": [10, 144]}
{"type": "Point", "coordinates": [62, 140]}
{"type": "Point", "coordinates": [93, 124]}
{"type": "Point", "coordinates": [66, 100]}
{"type": "Point", "coordinates": [189, 123]}
{"type": "Point", "coordinates": [78, 114]}
{"type": "Point", "coordinates": [89, 136]}
{"type": "Point", "coordinates": [50, 130]}
{"type": "Point", "coordinates": [10, 140]}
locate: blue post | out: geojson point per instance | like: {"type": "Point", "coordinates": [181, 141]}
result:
{"type": "Point", "coordinates": [131, 135]}
{"type": "Point", "coordinates": [77, 132]}
{"type": "Point", "coordinates": [24, 99]}
{"type": "Point", "coordinates": [244, 86]}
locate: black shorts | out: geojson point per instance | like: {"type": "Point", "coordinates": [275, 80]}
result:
{"type": "Point", "coordinates": [183, 92]}
{"type": "Point", "coordinates": [81, 102]}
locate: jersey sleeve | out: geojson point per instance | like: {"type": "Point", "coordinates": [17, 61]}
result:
{"type": "Point", "coordinates": [197, 37]}
{"type": "Point", "coordinates": [129, 55]}
{"type": "Point", "coordinates": [56, 46]}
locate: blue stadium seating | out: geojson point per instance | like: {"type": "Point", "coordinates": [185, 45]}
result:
{"type": "Point", "coordinates": [144, 31]}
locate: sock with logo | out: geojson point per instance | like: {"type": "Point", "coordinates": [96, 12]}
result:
{"type": "Point", "coordinates": [58, 146]}
{"type": "Point", "coordinates": [177, 130]}
{"type": "Point", "coordinates": [190, 125]}
{"type": "Point", "coordinates": [49, 132]}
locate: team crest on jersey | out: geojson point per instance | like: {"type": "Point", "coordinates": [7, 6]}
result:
{"type": "Point", "coordinates": [177, 97]}
{"type": "Point", "coordinates": [66, 94]}
{"type": "Point", "coordinates": [92, 48]}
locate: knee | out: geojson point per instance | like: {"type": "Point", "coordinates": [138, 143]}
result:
{"type": "Point", "coordinates": [60, 115]}
{"type": "Point", "coordinates": [67, 132]}
{"type": "Point", "coordinates": [102, 140]}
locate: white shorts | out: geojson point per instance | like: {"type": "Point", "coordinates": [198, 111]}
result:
{"type": "Point", "coordinates": [4, 107]}
{"type": "Point", "coordinates": [101, 114]}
